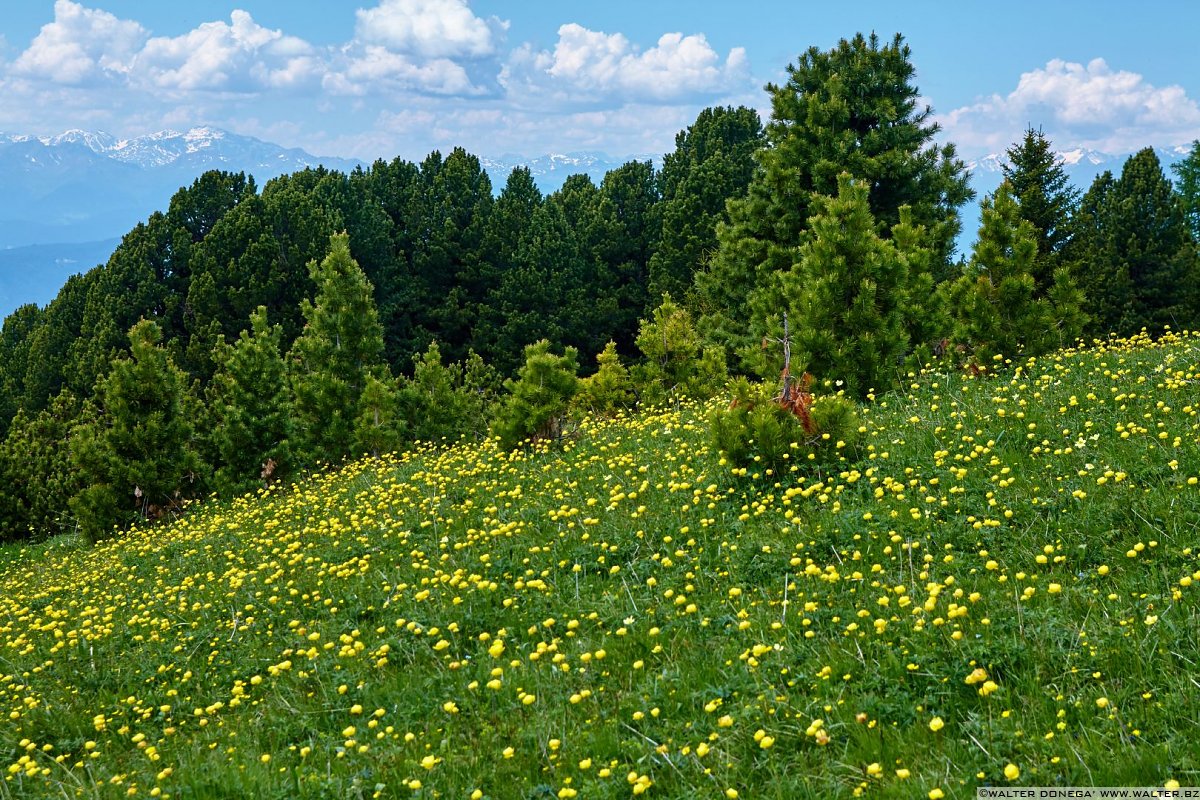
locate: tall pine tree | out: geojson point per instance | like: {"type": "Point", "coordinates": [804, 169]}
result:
{"type": "Point", "coordinates": [249, 406]}
{"type": "Point", "coordinates": [846, 297]}
{"type": "Point", "coordinates": [340, 347]}
{"type": "Point", "coordinates": [996, 304]}
{"type": "Point", "coordinates": [852, 109]}
{"type": "Point", "coordinates": [137, 459]}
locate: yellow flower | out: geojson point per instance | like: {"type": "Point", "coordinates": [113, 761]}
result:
{"type": "Point", "coordinates": [936, 724]}
{"type": "Point", "coordinates": [1012, 772]}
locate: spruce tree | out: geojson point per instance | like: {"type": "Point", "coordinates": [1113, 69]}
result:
{"type": "Point", "coordinates": [846, 297]}
{"type": "Point", "coordinates": [137, 460]}
{"type": "Point", "coordinates": [538, 398]}
{"type": "Point", "coordinates": [249, 408]}
{"type": "Point", "coordinates": [851, 109]}
{"type": "Point", "coordinates": [1046, 198]}
{"type": "Point", "coordinates": [340, 347]}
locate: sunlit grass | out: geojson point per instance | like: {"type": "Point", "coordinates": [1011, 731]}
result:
{"type": "Point", "coordinates": [1000, 589]}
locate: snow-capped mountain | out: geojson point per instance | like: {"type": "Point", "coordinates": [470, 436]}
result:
{"type": "Point", "coordinates": [1081, 165]}
{"type": "Point", "coordinates": [551, 170]}
{"type": "Point", "coordinates": [81, 186]}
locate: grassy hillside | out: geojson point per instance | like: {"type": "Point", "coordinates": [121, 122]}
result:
{"type": "Point", "coordinates": [1001, 587]}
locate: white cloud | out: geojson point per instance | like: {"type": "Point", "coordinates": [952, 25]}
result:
{"type": "Point", "coordinates": [240, 56]}
{"type": "Point", "coordinates": [430, 29]}
{"type": "Point", "coordinates": [591, 65]}
{"type": "Point", "coordinates": [1078, 105]}
{"type": "Point", "coordinates": [372, 69]}
{"type": "Point", "coordinates": [81, 46]}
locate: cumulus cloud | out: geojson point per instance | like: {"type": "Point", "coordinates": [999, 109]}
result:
{"type": "Point", "coordinates": [81, 46]}
{"type": "Point", "coordinates": [373, 69]}
{"type": "Point", "coordinates": [437, 47]}
{"type": "Point", "coordinates": [430, 29]}
{"type": "Point", "coordinates": [592, 65]}
{"type": "Point", "coordinates": [1078, 105]}
{"type": "Point", "coordinates": [240, 55]}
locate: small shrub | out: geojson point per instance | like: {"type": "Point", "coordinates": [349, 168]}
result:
{"type": "Point", "coordinates": [762, 430]}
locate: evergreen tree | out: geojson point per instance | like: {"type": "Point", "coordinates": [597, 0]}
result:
{"type": "Point", "coordinates": [712, 163]}
{"type": "Point", "coordinates": [249, 409]}
{"type": "Point", "coordinates": [538, 398]}
{"type": "Point", "coordinates": [445, 401]}
{"type": "Point", "coordinates": [676, 363]}
{"type": "Point", "coordinates": [851, 109]}
{"type": "Point", "coordinates": [341, 345]}
{"type": "Point", "coordinates": [37, 470]}
{"type": "Point", "coordinates": [378, 428]}
{"type": "Point", "coordinates": [1092, 254]}
{"type": "Point", "coordinates": [137, 459]}
{"type": "Point", "coordinates": [609, 389]}
{"type": "Point", "coordinates": [996, 305]}
{"type": "Point", "coordinates": [1046, 198]}
{"type": "Point", "coordinates": [1187, 173]}
{"type": "Point", "coordinates": [846, 297]}
{"type": "Point", "coordinates": [1135, 255]}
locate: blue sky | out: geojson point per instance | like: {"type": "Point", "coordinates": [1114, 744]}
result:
{"type": "Point", "coordinates": [380, 78]}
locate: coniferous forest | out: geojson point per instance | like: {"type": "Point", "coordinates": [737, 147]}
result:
{"type": "Point", "coordinates": [249, 334]}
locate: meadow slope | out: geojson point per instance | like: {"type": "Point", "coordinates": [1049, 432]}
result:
{"type": "Point", "coordinates": [999, 587]}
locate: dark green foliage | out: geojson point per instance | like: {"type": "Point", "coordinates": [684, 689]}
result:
{"type": "Point", "coordinates": [676, 362]}
{"type": "Point", "coordinates": [996, 304]}
{"type": "Point", "coordinates": [1133, 253]}
{"type": "Point", "coordinates": [538, 398]}
{"type": "Point", "coordinates": [136, 460]}
{"type": "Point", "coordinates": [378, 428]}
{"type": "Point", "coordinates": [1046, 198]}
{"type": "Point", "coordinates": [1187, 185]}
{"type": "Point", "coordinates": [851, 109]}
{"type": "Point", "coordinates": [15, 340]}
{"type": "Point", "coordinates": [713, 162]}
{"type": "Point", "coordinates": [248, 404]}
{"type": "Point", "coordinates": [846, 297]}
{"type": "Point", "coordinates": [445, 401]}
{"type": "Point", "coordinates": [37, 470]}
{"type": "Point", "coordinates": [758, 433]}
{"type": "Point", "coordinates": [609, 389]}
{"type": "Point", "coordinates": [341, 345]}
{"type": "Point", "coordinates": [927, 322]}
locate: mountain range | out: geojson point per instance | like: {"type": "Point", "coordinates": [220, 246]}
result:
{"type": "Point", "coordinates": [68, 198]}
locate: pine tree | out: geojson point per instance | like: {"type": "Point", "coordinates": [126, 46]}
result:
{"type": "Point", "coordinates": [538, 398]}
{"type": "Point", "coordinates": [137, 460]}
{"type": "Point", "coordinates": [851, 109]}
{"type": "Point", "coordinates": [996, 305]}
{"type": "Point", "coordinates": [1092, 255]}
{"type": "Point", "coordinates": [675, 364]}
{"type": "Point", "coordinates": [607, 390]}
{"type": "Point", "coordinates": [1046, 198]}
{"type": "Point", "coordinates": [37, 470]}
{"type": "Point", "coordinates": [1187, 173]}
{"type": "Point", "coordinates": [713, 162]}
{"type": "Point", "coordinates": [340, 347]}
{"type": "Point", "coordinates": [846, 298]}
{"type": "Point", "coordinates": [378, 428]}
{"type": "Point", "coordinates": [249, 407]}
{"type": "Point", "coordinates": [1135, 254]}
